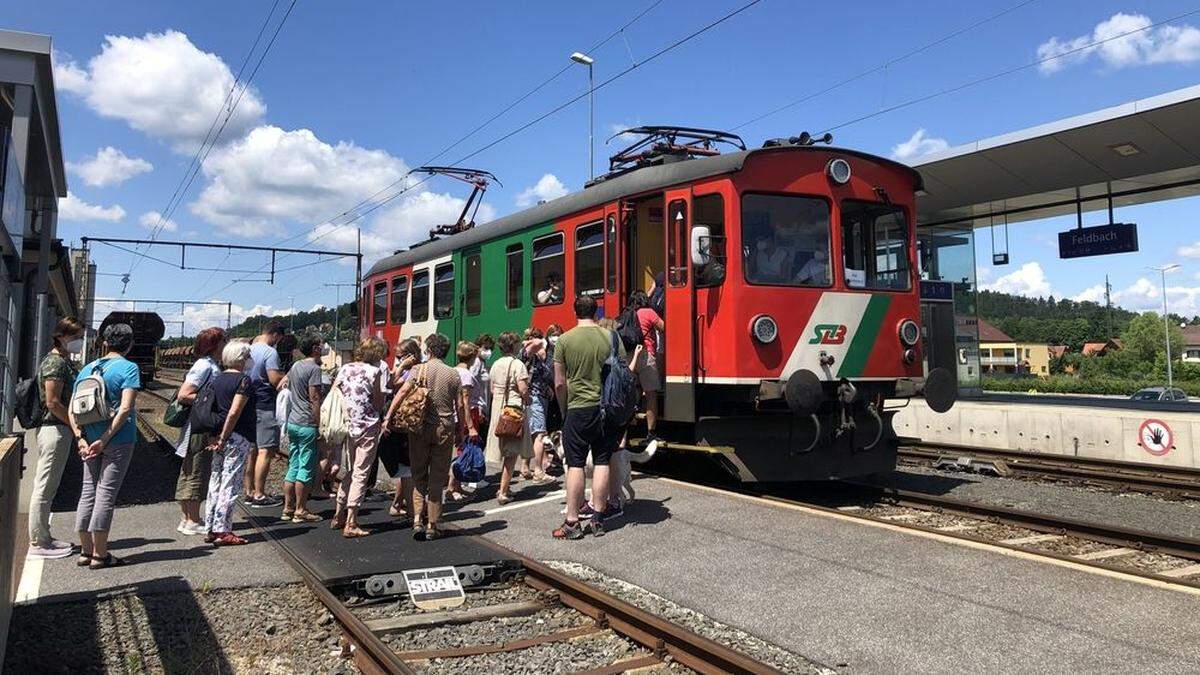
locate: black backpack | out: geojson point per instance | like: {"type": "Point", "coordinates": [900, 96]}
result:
{"type": "Point", "coordinates": [30, 409]}
{"type": "Point", "coordinates": [204, 417]}
{"type": "Point", "coordinates": [618, 391]}
{"type": "Point", "coordinates": [629, 329]}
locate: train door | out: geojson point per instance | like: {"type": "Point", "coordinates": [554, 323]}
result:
{"type": "Point", "coordinates": [680, 348]}
{"type": "Point", "coordinates": [470, 317]}
{"type": "Point", "coordinates": [614, 295]}
{"type": "Point", "coordinates": [645, 238]}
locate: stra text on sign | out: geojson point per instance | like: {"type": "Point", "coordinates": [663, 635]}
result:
{"type": "Point", "coordinates": [1083, 242]}
{"type": "Point", "coordinates": [435, 588]}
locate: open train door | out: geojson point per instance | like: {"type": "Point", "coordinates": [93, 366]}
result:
{"type": "Point", "coordinates": [615, 295]}
{"type": "Point", "coordinates": [680, 390]}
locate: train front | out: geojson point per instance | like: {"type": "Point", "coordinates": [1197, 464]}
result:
{"type": "Point", "coordinates": [815, 341]}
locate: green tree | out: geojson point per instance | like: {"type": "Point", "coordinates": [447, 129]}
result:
{"type": "Point", "coordinates": [1144, 338]}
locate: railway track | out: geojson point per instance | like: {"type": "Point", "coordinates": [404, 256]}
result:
{"type": "Point", "coordinates": [565, 609]}
{"type": "Point", "coordinates": [1164, 481]}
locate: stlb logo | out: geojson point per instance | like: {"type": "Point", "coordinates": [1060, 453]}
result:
{"type": "Point", "coordinates": [828, 334]}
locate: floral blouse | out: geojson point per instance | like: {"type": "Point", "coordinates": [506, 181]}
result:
{"type": "Point", "coordinates": [357, 382]}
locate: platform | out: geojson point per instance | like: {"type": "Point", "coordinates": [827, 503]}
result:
{"type": "Point", "coordinates": [390, 548]}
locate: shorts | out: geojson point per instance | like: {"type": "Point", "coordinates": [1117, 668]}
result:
{"type": "Point", "coordinates": [192, 484]}
{"type": "Point", "coordinates": [266, 430]}
{"type": "Point", "coordinates": [535, 415]}
{"type": "Point", "coordinates": [646, 369]}
{"type": "Point", "coordinates": [302, 454]}
{"type": "Point", "coordinates": [584, 431]}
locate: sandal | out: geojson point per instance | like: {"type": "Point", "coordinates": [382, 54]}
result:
{"type": "Point", "coordinates": [396, 513]}
{"type": "Point", "coordinates": [419, 532]}
{"type": "Point", "coordinates": [109, 560]}
{"type": "Point", "coordinates": [229, 539]}
{"type": "Point", "coordinates": [287, 516]}
{"type": "Point", "coordinates": [526, 474]}
{"type": "Point", "coordinates": [355, 533]}
{"type": "Point", "coordinates": [433, 532]}
{"type": "Point", "coordinates": [306, 517]}
{"type": "Point", "coordinates": [83, 560]}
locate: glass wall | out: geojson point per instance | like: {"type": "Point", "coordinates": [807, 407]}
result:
{"type": "Point", "coordinates": [947, 253]}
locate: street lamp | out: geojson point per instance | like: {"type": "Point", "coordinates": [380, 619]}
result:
{"type": "Point", "coordinates": [584, 59]}
{"type": "Point", "coordinates": [1166, 321]}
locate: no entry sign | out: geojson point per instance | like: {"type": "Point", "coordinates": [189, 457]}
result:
{"type": "Point", "coordinates": [1156, 437]}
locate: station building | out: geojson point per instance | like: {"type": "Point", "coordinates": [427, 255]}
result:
{"type": "Point", "coordinates": [37, 286]}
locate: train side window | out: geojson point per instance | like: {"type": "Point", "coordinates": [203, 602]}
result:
{"type": "Point", "coordinates": [420, 296]}
{"type": "Point", "coordinates": [474, 284]}
{"type": "Point", "coordinates": [875, 246]}
{"type": "Point", "coordinates": [399, 300]}
{"type": "Point", "coordinates": [379, 304]}
{"type": "Point", "coordinates": [589, 259]}
{"type": "Point", "coordinates": [610, 241]}
{"type": "Point", "coordinates": [514, 257]}
{"type": "Point", "coordinates": [677, 243]}
{"type": "Point", "coordinates": [709, 211]}
{"type": "Point", "coordinates": [547, 270]}
{"type": "Point", "coordinates": [443, 291]}
{"type": "Point", "coordinates": [785, 240]}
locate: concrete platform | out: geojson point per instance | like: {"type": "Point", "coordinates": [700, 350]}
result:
{"type": "Point", "coordinates": [865, 598]}
{"type": "Point", "coordinates": [160, 560]}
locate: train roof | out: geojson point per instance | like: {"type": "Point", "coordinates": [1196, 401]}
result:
{"type": "Point", "coordinates": [630, 183]}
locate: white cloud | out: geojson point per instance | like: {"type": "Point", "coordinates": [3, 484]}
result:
{"type": "Point", "coordinates": [75, 209]}
{"type": "Point", "coordinates": [109, 166]}
{"type": "Point", "coordinates": [153, 220]}
{"type": "Point", "coordinates": [1189, 250]}
{"type": "Point", "coordinates": [1028, 280]}
{"type": "Point", "coordinates": [272, 176]}
{"type": "Point", "coordinates": [1145, 294]}
{"type": "Point", "coordinates": [160, 84]}
{"type": "Point", "coordinates": [1093, 294]}
{"type": "Point", "coordinates": [399, 226]}
{"type": "Point", "coordinates": [918, 145]}
{"type": "Point", "coordinates": [547, 188]}
{"type": "Point", "coordinates": [1164, 44]}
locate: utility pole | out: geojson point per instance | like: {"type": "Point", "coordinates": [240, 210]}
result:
{"type": "Point", "coordinates": [1108, 328]}
{"type": "Point", "coordinates": [337, 306]}
{"type": "Point", "coordinates": [1166, 320]}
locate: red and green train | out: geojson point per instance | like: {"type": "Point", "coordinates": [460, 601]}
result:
{"type": "Point", "coordinates": [791, 295]}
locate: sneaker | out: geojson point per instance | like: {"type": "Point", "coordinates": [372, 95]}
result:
{"type": "Point", "coordinates": [614, 509]}
{"type": "Point", "coordinates": [572, 531]}
{"type": "Point", "coordinates": [61, 545]}
{"type": "Point", "coordinates": [191, 529]}
{"type": "Point", "coordinates": [264, 502]}
{"type": "Point", "coordinates": [596, 527]}
{"type": "Point", "coordinates": [48, 552]}
{"type": "Point", "coordinates": [586, 512]}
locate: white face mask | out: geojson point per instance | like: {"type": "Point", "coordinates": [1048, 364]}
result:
{"type": "Point", "coordinates": [485, 354]}
{"type": "Point", "coordinates": [325, 349]}
{"type": "Point", "coordinates": [553, 339]}
{"type": "Point", "coordinates": [424, 357]}
{"type": "Point", "coordinates": [74, 346]}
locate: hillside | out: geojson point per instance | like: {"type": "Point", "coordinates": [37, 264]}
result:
{"type": "Point", "coordinates": [320, 320]}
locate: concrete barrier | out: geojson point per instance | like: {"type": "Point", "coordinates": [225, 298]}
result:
{"type": "Point", "coordinates": [11, 448]}
{"type": "Point", "coordinates": [1106, 433]}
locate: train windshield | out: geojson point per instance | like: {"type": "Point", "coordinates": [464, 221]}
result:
{"type": "Point", "coordinates": [785, 240]}
{"type": "Point", "coordinates": [875, 246]}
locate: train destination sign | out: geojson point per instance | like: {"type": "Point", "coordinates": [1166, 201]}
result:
{"type": "Point", "coordinates": [1082, 242]}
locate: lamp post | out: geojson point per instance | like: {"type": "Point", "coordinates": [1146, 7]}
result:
{"type": "Point", "coordinates": [584, 59]}
{"type": "Point", "coordinates": [1166, 321]}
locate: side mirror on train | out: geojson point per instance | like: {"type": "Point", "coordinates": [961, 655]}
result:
{"type": "Point", "coordinates": [701, 238]}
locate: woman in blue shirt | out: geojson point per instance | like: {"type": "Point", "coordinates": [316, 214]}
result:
{"type": "Point", "coordinates": [106, 447]}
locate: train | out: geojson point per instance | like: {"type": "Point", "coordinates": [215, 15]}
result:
{"type": "Point", "coordinates": [148, 330]}
{"type": "Point", "coordinates": [791, 283]}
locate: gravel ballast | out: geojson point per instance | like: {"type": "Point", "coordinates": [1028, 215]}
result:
{"type": "Point", "coordinates": [273, 630]}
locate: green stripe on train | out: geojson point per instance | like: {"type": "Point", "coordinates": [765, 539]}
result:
{"type": "Point", "coordinates": [855, 360]}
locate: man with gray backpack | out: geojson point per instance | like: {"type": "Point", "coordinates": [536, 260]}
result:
{"type": "Point", "coordinates": [103, 417]}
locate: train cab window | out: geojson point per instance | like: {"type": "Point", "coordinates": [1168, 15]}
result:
{"type": "Point", "coordinates": [547, 270]}
{"type": "Point", "coordinates": [610, 263]}
{"type": "Point", "coordinates": [443, 291]}
{"type": "Point", "coordinates": [589, 259]}
{"type": "Point", "coordinates": [709, 212]}
{"type": "Point", "coordinates": [875, 246]}
{"type": "Point", "coordinates": [399, 300]}
{"type": "Point", "coordinates": [785, 240]}
{"type": "Point", "coordinates": [473, 284]}
{"type": "Point", "coordinates": [420, 296]}
{"type": "Point", "coordinates": [514, 261]}
{"type": "Point", "coordinates": [379, 304]}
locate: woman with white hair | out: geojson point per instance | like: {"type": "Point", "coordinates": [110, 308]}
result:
{"type": "Point", "coordinates": [233, 402]}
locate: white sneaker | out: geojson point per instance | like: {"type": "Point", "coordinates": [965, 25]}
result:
{"type": "Point", "coordinates": [191, 529]}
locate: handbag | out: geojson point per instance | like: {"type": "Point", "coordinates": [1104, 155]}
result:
{"type": "Point", "coordinates": [469, 466]}
{"type": "Point", "coordinates": [410, 415]}
{"type": "Point", "coordinates": [511, 422]}
{"type": "Point", "coordinates": [177, 414]}
{"type": "Point", "coordinates": [335, 424]}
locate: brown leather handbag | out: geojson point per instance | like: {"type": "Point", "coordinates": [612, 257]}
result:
{"type": "Point", "coordinates": [410, 415]}
{"type": "Point", "coordinates": [511, 422]}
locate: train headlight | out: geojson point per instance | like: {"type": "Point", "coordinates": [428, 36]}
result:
{"type": "Point", "coordinates": [910, 332]}
{"type": "Point", "coordinates": [764, 329]}
{"type": "Point", "coordinates": [838, 170]}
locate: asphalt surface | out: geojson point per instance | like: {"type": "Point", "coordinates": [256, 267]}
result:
{"type": "Point", "coordinates": [865, 599]}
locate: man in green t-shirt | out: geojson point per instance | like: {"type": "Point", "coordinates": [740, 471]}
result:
{"type": "Point", "coordinates": [578, 363]}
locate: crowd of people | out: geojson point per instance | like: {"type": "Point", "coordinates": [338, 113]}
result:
{"type": "Point", "coordinates": [431, 424]}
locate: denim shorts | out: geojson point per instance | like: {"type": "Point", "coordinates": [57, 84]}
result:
{"type": "Point", "coordinates": [535, 415]}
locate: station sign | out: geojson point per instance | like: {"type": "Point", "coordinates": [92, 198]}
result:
{"type": "Point", "coordinates": [936, 291]}
{"type": "Point", "coordinates": [1083, 242]}
{"type": "Point", "coordinates": [435, 588]}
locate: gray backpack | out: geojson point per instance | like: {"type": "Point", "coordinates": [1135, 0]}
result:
{"type": "Point", "coordinates": [89, 401]}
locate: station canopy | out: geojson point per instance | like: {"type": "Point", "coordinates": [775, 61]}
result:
{"type": "Point", "coordinates": [1139, 152]}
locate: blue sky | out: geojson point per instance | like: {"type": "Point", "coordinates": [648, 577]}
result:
{"type": "Point", "coordinates": [354, 93]}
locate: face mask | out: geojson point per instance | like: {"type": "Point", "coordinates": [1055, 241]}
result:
{"type": "Point", "coordinates": [325, 350]}
{"type": "Point", "coordinates": [485, 354]}
{"type": "Point", "coordinates": [553, 339]}
{"type": "Point", "coordinates": [424, 357]}
{"type": "Point", "coordinates": [74, 346]}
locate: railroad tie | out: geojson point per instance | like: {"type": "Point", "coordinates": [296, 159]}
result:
{"type": "Point", "coordinates": [1105, 554]}
{"type": "Point", "coordinates": [1032, 539]}
{"type": "Point", "coordinates": [1182, 572]}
